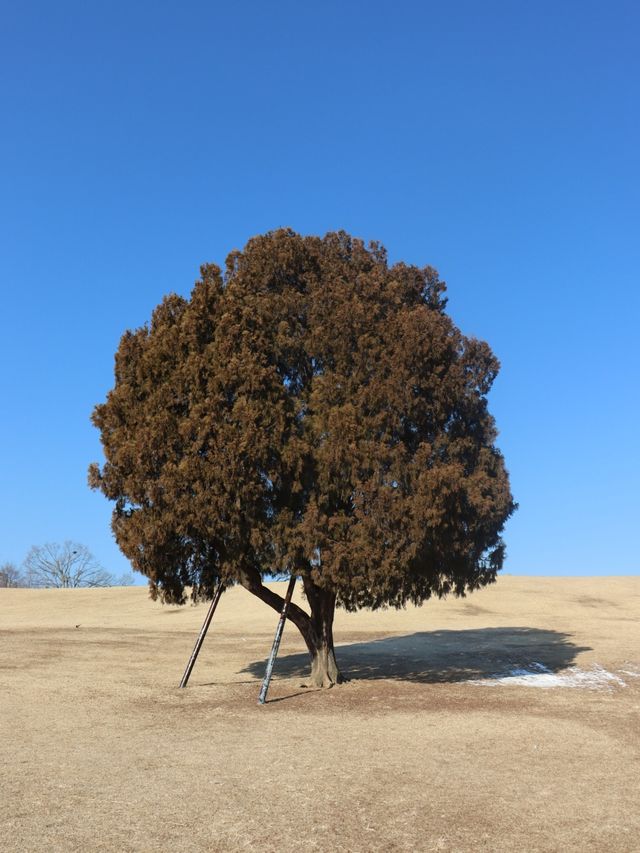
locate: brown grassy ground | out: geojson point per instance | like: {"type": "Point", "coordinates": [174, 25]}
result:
{"type": "Point", "coordinates": [100, 751]}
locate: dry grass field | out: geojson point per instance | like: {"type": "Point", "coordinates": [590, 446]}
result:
{"type": "Point", "coordinates": [424, 749]}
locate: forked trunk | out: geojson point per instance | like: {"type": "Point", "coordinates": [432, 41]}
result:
{"type": "Point", "coordinates": [316, 629]}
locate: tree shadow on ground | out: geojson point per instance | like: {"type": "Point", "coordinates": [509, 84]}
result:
{"type": "Point", "coordinates": [442, 656]}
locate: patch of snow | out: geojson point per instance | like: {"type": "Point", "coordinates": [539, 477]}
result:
{"type": "Point", "coordinates": [538, 675]}
{"type": "Point", "coordinates": [634, 672]}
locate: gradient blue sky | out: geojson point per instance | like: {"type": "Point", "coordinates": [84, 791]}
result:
{"type": "Point", "coordinates": [497, 141]}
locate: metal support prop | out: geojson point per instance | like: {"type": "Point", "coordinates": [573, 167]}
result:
{"type": "Point", "coordinates": [202, 634]}
{"type": "Point", "coordinates": [276, 641]}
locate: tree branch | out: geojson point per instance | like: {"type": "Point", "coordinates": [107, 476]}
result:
{"type": "Point", "coordinates": [250, 579]}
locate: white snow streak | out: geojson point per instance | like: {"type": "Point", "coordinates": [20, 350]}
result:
{"type": "Point", "coordinates": [633, 672]}
{"type": "Point", "coordinates": [538, 675]}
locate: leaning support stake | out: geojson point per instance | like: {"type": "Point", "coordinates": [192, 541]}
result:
{"type": "Point", "coordinates": [276, 641]}
{"type": "Point", "coordinates": [202, 634]}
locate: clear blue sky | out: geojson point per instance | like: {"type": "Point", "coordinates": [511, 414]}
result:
{"type": "Point", "coordinates": [498, 141]}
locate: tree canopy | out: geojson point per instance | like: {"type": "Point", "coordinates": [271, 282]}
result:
{"type": "Point", "coordinates": [314, 410]}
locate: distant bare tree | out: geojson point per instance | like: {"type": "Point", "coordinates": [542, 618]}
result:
{"type": "Point", "coordinates": [10, 575]}
{"type": "Point", "coordinates": [66, 565]}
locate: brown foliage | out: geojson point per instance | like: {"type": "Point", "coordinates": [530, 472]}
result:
{"type": "Point", "coordinates": [311, 410]}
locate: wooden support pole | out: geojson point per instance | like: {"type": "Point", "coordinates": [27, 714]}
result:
{"type": "Point", "coordinates": [202, 634]}
{"type": "Point", "coordinates": [276, 641]}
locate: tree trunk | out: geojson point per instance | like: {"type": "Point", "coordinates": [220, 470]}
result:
{"type": "Point", "coordinates": [324, 668]}
{"type": "Point", "coordinates": [316, 629]}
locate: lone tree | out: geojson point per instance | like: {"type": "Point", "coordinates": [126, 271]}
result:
{"type": "Point", "coordinates": [68, 565]}
{"type": "Point", "coordinates": [10, 576]}
{"type": "Point", "coordinates": [311, 410]}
